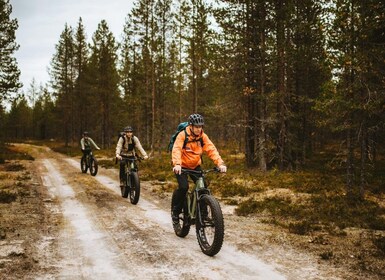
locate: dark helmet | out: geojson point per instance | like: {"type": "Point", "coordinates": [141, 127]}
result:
{"type": "Point", "coordinates": [196, 119]}
{"type": "Point", "coordinates": [85, 133]}
{"type": "Point", "coordinates": [128, 129]}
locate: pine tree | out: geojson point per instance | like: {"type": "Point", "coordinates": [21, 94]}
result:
{"type": "Point", "coordinates": [245, 27]}
{"type": "Point", "coordinates": [63, 76]}
{"type": "Point", "coordinates": [179, 49]}
{"type": "Point", "coordinates": [164, 19]}
{"type": "Point", "coordinates": [131, 76]}
{"type": "Point", "coordinates": [9, 71]}
{"type": "Point", "coordinates": [357, 41]}
{"type": "Point", "coordinates": [103, 68]}
{"type": "Point", "coordinates": [80, 87]}
{"type": "Point", "coordinates": [145, 30]}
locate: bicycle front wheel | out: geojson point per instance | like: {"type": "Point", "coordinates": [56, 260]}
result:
{"type": "Point", "coordinates": [209, 225]}
{"type": "Point", "coordinates": [83, 164]}
{"type": "Point", "coordinates": [135, 188]}
{"type": "Point", "coordinates": [125, 189]}
{"type": "Point", "coordinates": [93, 166]}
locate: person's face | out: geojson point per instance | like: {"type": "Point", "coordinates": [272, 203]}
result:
{"type": "Point", "coordinates": [129, 134]}
{"type": "Point", "coordinates": [197, 129]}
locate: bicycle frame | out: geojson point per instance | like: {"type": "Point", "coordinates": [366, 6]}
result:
{"type": "Point", "coordinates": [194, 195]}
{"type": "Point", "coordinates": [201, 209]}
{"type": "Point", "coordinates": [129, 165]}
{"type": "Point", "coordinates": [88, 158]}
{"type": "Point", "coordinates": [131, 179]}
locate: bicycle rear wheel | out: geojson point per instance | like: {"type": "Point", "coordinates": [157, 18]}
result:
{"type": "Point", "coordinates": [135, 188]}
{"type": "Point", "coordinates": [83, 164]}
{"type": "Point", "coordinates": [182, 228]}
{"type": "Point", "coordinates": [209, 225]}
{"type": "Point", "coordinates": [93, 166]}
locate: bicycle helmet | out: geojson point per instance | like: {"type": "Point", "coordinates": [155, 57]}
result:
{"type": "Point", "coordinates": [85, 133]}
{"type": "Point", "coordinates": [128, 129]}
{"type": "Point", "coordinates": [196, 119]}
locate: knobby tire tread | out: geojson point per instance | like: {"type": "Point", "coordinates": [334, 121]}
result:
{"type": "Point", "coordinates": [217, 216]}
{"type": "Point", "coordinates": [135, 188]}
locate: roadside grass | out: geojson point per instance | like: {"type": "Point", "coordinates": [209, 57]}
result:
{"type": "Point", "coordinates": [7, 153]}
{"type": "Point", "coordinates": [313, 197]}
{"type": "Point", "coordinates": [10, 192]}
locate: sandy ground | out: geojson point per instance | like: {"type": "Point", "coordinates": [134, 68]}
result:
{"type": "Point", "coordinates": [69, 225]}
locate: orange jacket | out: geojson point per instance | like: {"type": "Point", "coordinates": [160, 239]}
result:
{"type": "Point", "coordinates": [190, 156]}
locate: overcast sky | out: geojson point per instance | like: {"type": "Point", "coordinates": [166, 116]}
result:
{"type": "Point", "coordinates": [42, 21]}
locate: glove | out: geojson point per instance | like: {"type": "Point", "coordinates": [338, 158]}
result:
{"type": "Point", "coordinates": [98, 148]}
{"type": "Point", "coordinates": [145, 157]}
{"type": "Point", "coordinates": [118, 157]}
{"type": "Point", "coordinates": [177, 169]}
{"type": "Point", "coordinates": [222, 168]}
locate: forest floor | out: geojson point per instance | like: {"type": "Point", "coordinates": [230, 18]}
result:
{"type": "Point", "coordinates": [58, 223]}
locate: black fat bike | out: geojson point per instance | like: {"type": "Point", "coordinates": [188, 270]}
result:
{"type": "Point", "coordinates": [131, 186]}
{"type": "Point", "coordinates": [201, 209]}
{"type": "Point", "coordinates": [88, 161]}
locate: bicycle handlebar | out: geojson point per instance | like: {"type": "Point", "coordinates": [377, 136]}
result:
{"type": "Point", "coordinates": [131, 158]}
{"type": "Point", "coordinates": [214, 169]}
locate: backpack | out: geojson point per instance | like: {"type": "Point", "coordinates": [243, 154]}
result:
{"type": "Point", "coordinates": [121, 134]}
{"type": "Point", "coordinates": [181, 127]}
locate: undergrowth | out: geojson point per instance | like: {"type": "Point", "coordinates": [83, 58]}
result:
{"type": "Point", "coordinates": [321, 179]}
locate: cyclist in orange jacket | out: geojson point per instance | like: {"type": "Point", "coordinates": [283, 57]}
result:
{"type": "Point", "coordinates": [189, 156]}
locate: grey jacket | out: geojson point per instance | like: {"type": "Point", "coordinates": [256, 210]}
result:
{"type": "Point", "coordinates": [89, 143]}
{"type": "Point", "coordinates": [120, 150]}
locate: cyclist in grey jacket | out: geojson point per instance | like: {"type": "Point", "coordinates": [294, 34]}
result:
{"type": "Point", "coordinates": [128, 145]}
{"type": "Point", "coordinates": [86, 144]}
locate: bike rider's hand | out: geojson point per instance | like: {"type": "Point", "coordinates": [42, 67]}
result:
{"type": "Point", "coordinates": [177, 169]}
{"type": "Point", "coordinates": [98, 148]}
{"type": "Point", "coordinates": [145, 157]}
{"type": "Point", "coordinates": [118, 157]}
{"type": "Point", "coordinates": [222, 168]}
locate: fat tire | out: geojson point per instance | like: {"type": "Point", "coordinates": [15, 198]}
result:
{"type": "Point", "coordinates": [83, 165]}
{"type": "Point", "coordinates": [135, 188]}
{"type": "Point", "coordinates": [125, 189]}
{"type": "Point", "coordinates": [182, 228]}
{"type": "Point", "coordinates": [93, 166]}
{"type": "Point", "coordinates": [210, 245]}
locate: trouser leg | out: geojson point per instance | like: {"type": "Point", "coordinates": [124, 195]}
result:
{"type": "Point", "coordinates": [180, 193]}
{"type": "Point", "coordinates": [121, 171]}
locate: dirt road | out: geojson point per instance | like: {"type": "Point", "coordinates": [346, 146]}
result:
{"type": "Point", "coordinates": [94, 233]}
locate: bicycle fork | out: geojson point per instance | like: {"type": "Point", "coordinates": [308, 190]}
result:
{"type": "Point", "coordinates": [193, 201]}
